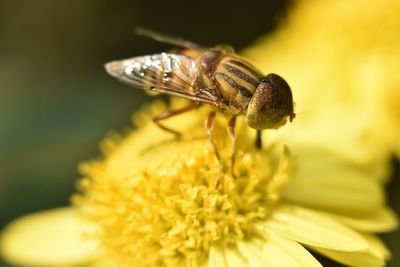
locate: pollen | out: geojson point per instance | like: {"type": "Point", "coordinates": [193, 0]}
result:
{"type": "Point", "coordinates": [155, 198]}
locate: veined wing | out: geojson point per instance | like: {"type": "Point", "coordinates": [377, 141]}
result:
{"type": "Point", "coordinates": [172, 74]}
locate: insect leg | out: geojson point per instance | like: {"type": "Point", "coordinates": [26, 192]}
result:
{"type": "Point", "coordinates": [172, 113]}
{"type": "Point", "coordinates": [258, 140]}
{"type": "Point", "coordinates": [209, 129]}
{"type": "Point", "coordinates": [232, 135]}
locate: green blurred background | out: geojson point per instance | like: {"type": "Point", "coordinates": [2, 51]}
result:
{"type": "Point", "coordinates": [57, 102]}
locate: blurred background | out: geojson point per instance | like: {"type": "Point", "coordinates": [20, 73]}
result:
{"type": "Point", "coordinates": [57, 102]}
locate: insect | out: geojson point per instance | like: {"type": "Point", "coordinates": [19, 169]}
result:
{"type": "Point", "coordinates": [213, 76]}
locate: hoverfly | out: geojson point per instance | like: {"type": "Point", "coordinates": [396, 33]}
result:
{"type": "Point", "coordinates": [214, 76]}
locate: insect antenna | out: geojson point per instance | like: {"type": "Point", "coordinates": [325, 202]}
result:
{"type": "Point", "coordinates": [165, 38]}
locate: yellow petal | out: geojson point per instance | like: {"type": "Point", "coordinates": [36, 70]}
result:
{"type": "Point", "coordinates": [49, 238]}
{"type": "Point", "coordinates": [383, 220]}
{"type": "Point", "coordinates": [277, 251]}
{"type": "Point", "coordinates": [221, 257]}
{"type": "Point", "coordinates": [360, 259]}
{"type": "Point", "coordinates": [325, 32]}
{"type": "Point", "coordinates": [376, 246]}
{"type": "Point", "coordinates": [315, 229]}
{"type": "Point", "coordinates": [217, 257]}
{"type": "Point", "coordinates": [235, 258]}
{"type": "Point", "coordinates": [294, 249]}
{"type": "Point", "coordinates": [374, 256]}
{"type": "Point", "coordinates": [327, 181]}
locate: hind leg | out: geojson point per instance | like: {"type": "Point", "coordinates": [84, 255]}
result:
{"type": "Point", "coordinates": [172, 113]}
{"type": "Point", "coordinates": [209, 129]}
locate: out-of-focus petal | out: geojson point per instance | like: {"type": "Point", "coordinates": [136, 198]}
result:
{"type": "Point", "coordinates": [383, 220]}
{"type": "Point", "coordinates": [49, 238]}
{"type": "Point", "coordinates": [341, 55]}
{"type": "Point", "coordinates": [326, 181]}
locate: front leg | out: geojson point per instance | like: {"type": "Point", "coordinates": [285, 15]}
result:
{"type": "Point", "coordinates": [232, 135]}
{"type": "Point", "coordinates": [258, 140]}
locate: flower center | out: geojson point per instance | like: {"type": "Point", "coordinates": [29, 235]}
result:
{"type": "Point", "coordinates": [156, 202]}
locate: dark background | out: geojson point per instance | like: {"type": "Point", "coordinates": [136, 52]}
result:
{"type": "Point", "coordinates": [57, 102]}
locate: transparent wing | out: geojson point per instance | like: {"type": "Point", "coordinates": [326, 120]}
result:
{"type": "Point", "coordinates": [172, 74]}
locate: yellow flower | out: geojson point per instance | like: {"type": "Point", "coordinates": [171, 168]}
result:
{"type": "Point", "coordinates": [343, 59]}
{"type": "Point", "coordinates": [152, 201]}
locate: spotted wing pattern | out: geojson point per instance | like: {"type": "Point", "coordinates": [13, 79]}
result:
{"type": "Point", "coordinates": [172, 74]}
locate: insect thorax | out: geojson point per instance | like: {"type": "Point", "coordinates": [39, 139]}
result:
{"type": "Point", "coordinates": [231, 79]}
